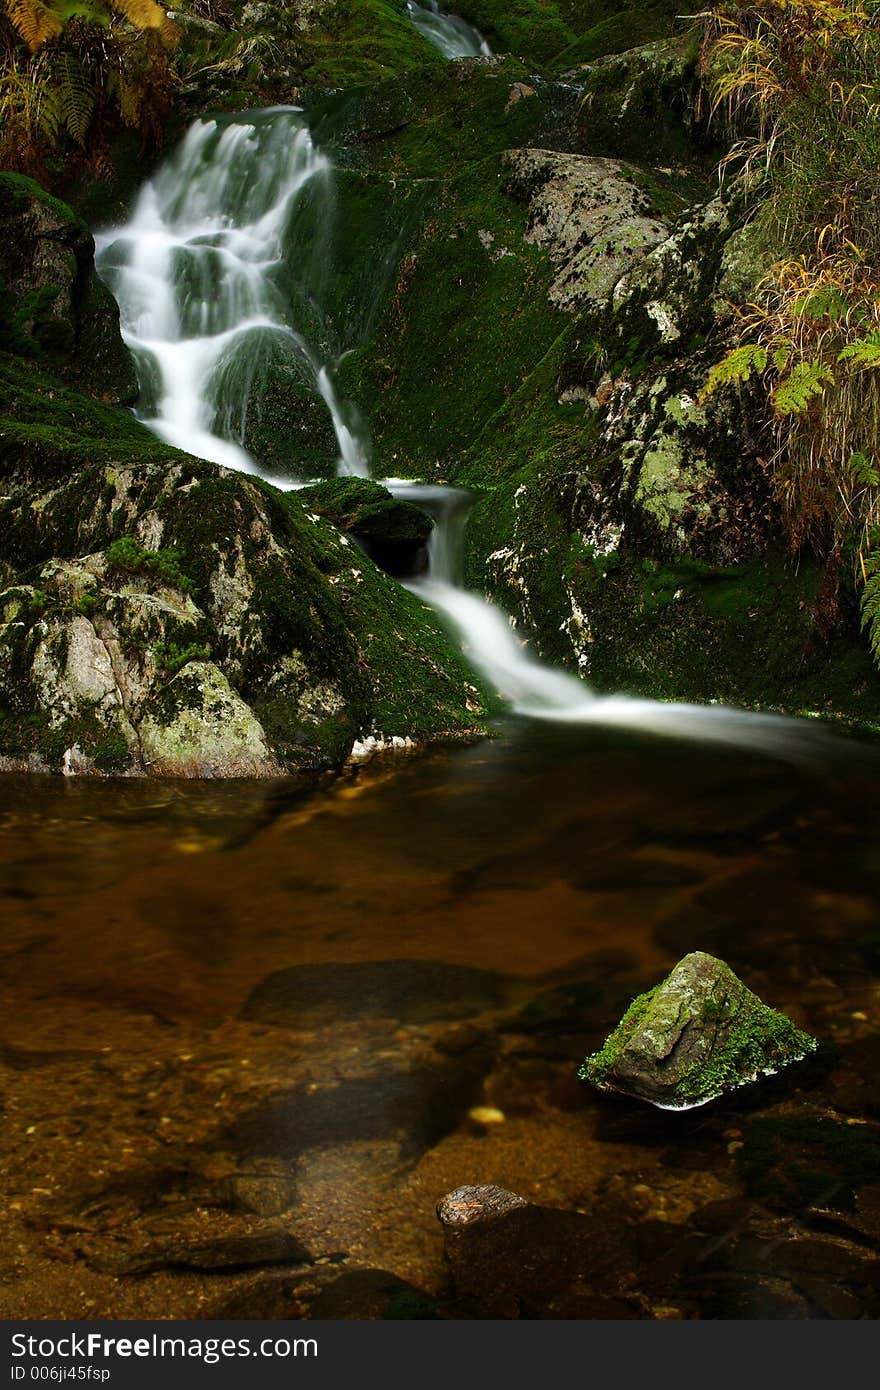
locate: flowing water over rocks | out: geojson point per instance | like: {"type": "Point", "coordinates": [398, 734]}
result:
{"type": "Point", "coordinates": [449, 33]}
{"type": "Point", "coordinates": [204, 286]}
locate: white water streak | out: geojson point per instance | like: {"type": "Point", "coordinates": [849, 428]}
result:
{"type": "Point", "coordinates": [196, 274]}
{"type": "Point", "coordinates": [453, 36]}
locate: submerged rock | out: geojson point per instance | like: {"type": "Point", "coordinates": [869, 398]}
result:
{"type": "Point", "coordinates": [693, 1037]}
{"type": "Point", "coordinates": [508, 1258]}
{"type": "Point", "coordinates": [411, 991]}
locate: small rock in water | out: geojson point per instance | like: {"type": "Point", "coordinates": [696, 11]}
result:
{"type": "Point", "coordinates": [469, 1204]}
{"type": "Point", "coordinates": [508, 1258]}
{"type": "Point", "coordinates": [693, 1037]}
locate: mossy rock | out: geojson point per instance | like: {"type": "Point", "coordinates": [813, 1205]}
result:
{"type": "Point", "coordinates": [641, 100]}
{"type": "Point", "coordinates": [695, 1036]}
{"type": "Point", "coordinates": [194, 590]}
{"type": "Point", "coordinates": [52, 304]}
{"type": "Point", "coordinates": [392, 531]}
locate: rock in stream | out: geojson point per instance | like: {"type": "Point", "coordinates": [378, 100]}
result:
{"type": "Point", "coordinates": [693, 1037]}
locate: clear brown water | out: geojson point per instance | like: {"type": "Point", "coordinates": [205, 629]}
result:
{"type": "Point", "coordinates": [167, 1090]}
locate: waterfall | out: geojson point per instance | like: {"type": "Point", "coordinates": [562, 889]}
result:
{"type": "Point", "coordinates": [203, 284]}
{"type": "Point", "coordinates": [207, 297]}
{"type": "Point", "coordinates": [454, 37]}
{"type": "Point", "coordinates": [537, 691]}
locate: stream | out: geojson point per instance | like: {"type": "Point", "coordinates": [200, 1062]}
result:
{"type": "Point", "coordinates": [251, 1033]}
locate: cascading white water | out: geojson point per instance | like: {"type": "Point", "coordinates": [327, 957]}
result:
{"type": "Point", "coordinates": [453, 36]}
{"type": "Point", "coordinates": [536, 691]}
{"type": "Point", "coordinates": [199, 274]}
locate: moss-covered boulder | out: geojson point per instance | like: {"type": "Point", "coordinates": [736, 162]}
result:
{"type": "Point", "coordinates": [52, 304]}
{"type": "Point", "coordinates": [643, 103]}
{"type": "Point", "coordinates": [394, 532]}
{"type": "Point", "coordinates": [164, 615]}
{"type": "Point", "coordinates": [695, 1036]}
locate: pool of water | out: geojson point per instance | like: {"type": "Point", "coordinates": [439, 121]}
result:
{"type": "Point", "coordinates": [251, 1033]}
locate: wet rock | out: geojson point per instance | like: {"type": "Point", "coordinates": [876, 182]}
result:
{"type": "Point", "coordinates": [205, 727]}
{"type": "Point", "coordinates": [414, 1107]}
{"type": "Point", "coordinates": [52, 303]}
{"type": "Point", "coordinates": [595, 217]}
{"type": "Point", "coordinates": [179, 620]}
{"type": "Point", "coordinates": [641, 102]}
{"type": "Point", "coordinates": [411, 991]}
{"type": "Point", "coordinates": [466, 1205]}
{"type": "Point", "coordinates": [510, 1259]}
{"type": "Point", "coordinates": [392, 531]}
{"type": "Point", "coordinates": [266, 1189]}
{"type": "Point", "coordinates": [693, 1037]}
{"type": "Point", "coordinates": [372, 1294]}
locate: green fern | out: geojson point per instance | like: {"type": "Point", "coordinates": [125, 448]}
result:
{"type": "Point", "coordinates": [806, 380]}
{"type": "Point", "coordinates": [864, 353]}
{"type": "Point", "coordinates": [862, 471]}
{"type": "Point", "coordinates": [737, 365]}
{"type": "Point", "coordinates": [871, 601]}
{"type": "Point", "coordinates": [74, 94]}
{"type": "Point", "coordinates": [822, 302]}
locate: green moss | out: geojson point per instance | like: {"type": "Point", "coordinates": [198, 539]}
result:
{"type": "Point", "coordinates": [535, 30]}
{"type": "Point", "coordinates": [127, 556]}
{"type": "Point", "coordinates": [28, 734]}
{"type": "Point", "coordinates": [16, 191]}
{"type": "Point", "coordinates": [363, 41]}
{"type": "Point", "coordinates": [607, 26]}
{"type": "Point", "coordinates": [749, 1039]}
{"type": "Point", "coordinates": [48, 425]}
{"type": "Point", "coordinates": [368, 510]}
{"type": "Point", "coordinates": [171, 657]}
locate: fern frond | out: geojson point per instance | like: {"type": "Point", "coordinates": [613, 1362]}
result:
{"type": "Point", "coordinates": [75, 95]}
{"type": "Point", "coordinates": [806, 380]}
{"type": "Point", "coordinates": [737, 365]}
{"type": "Point", "coordinates": [864, 353]}
{"type": "Point", "coordinates": [35, 21]}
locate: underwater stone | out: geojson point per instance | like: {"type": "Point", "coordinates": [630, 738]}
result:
{"type": "Point", "coordinates": [693, 1037]}
{"type": "Point", "coordinates": [484, 1203]}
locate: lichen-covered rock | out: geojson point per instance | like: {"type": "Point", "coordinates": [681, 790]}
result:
{"type": "Point", "coordinates": [204, 728]}
{"type": "Point", "coordinates": [595, 217]}
{"type": "Point", "coordinates": [52, 303]}
{"type": "Point", "coordinates": [693, 1037]}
